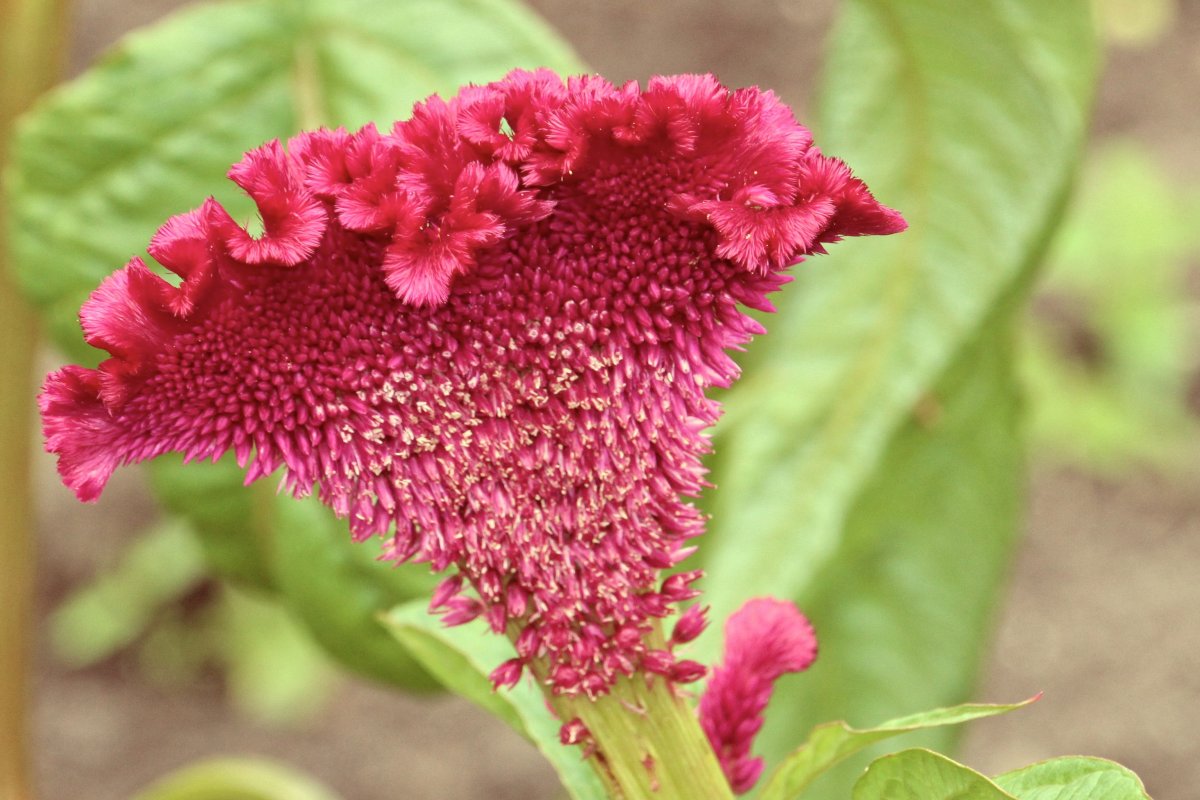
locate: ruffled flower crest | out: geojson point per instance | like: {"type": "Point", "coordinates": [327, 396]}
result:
{"type": "Point", "coordinates": [486, 335]}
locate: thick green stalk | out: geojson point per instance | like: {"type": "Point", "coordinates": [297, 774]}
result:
{"type": "Point", "coordinates": [32, 41]}
{"type": "Point", "coordinates": [648, 742]}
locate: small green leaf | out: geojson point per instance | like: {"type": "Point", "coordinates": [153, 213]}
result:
{"type": "Point", "coordinates": [337, 589]}
{"type": "Point", "coordinates": [924, 775]}
{"type": "Point", "coordinates": [462, 657]}
{"type": "Point", "coordinates": [1073, 778]}
{"type": "Point", "coordinates": [236, 779]}
{"type": "Point", "coordinates": [832, 742]}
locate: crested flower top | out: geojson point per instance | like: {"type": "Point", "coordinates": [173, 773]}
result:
{"type": "Point", "coordinates": [487, 333]}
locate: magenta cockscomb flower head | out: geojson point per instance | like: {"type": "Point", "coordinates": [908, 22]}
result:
{"type": "Point", "coordinates": [486, 334]}
{"type": "Point", "coordinates": [764, 640]}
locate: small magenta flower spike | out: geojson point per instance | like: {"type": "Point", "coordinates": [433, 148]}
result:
{"type": "Point", "coordinates": [485, 335]}
{"type": "Point", "coordinates": [764, 640]}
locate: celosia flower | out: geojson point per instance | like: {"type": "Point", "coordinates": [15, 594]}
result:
{"type": "Point", "coordinates": [764, 640]}
{"type": "Point", "coordinates": [488, 333]}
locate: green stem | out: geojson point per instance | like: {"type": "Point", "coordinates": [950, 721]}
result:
{"type": "Point", "coordinates": [32, 41]}
{"type": "Point", "coordinates": [649, 744]}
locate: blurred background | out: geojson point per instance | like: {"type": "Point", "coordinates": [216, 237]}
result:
{"type": "Point", "coordinates": [1103, 612]}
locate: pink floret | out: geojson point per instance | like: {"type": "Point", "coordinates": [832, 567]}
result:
{"type": "Point", "coordinates": [764, 640]}
{"type": "Point", "coordinates": [486, 335]}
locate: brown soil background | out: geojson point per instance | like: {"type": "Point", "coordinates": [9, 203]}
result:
{"type": "Point", "coordinates": [1104, 606]}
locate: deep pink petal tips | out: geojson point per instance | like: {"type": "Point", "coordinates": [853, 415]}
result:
{"type": "Point", "coordinates": [486, 334]}
{"type": "Point", "coordinates": [764, 640]}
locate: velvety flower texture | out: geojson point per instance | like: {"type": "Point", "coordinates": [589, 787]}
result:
{"type": "Point", "coordinates": [485, 334]}
{"type": "Point", "coordinates": [764, 640]}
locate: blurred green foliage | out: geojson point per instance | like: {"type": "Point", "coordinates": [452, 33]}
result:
{"type": "Point", "coordinates": [1135, 23]}
{"type": "Point", "coordinates": [159, 601]}
{"type": "Point", "coordinates": [1111, 356]}
{"type": "Point", "coordinates": [110, 613]}
{"type": "Point", "coordinates": [273, 669]}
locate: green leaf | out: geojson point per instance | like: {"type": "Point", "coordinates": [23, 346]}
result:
{"type": "Point", "coordinates": [337, 589]}
{"type": "Point", "coordinates": [462, 657]}
{"type": "Point", "coordinates": [903, 614]}
{"type": "Point", "coordinates": [869, 466]}
{"type": "Point", "coordinates": [148, 132]}
{"type": "Point", "coordinates": [1073, 778]}
{"type": "Point", "coordinates": [939, 108]}
{"type": "Point", "coordinates": [833, 742]}
{"type": "Point", "coordinates": [924, 775]}
{"type": "Point", "coordinates": [236, 779]}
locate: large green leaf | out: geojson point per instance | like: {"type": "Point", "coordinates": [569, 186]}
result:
{"type": "Point", "coordinates": [462, 657]}
{"type": "Point", "coordinates": [902, 615]}
{"type": "Point", "coordinates": [969, 120]}
{"type": "Point", "coordinates": [1073, 778]}
{"type": "Point", "coordinates": [148, 132]}
{"type": "Point", "coordinates": [869, 466]}
{"type": "Point", "coordinates": [833, 742]}
{"type": "Point", "coordinates": [924, 775]}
